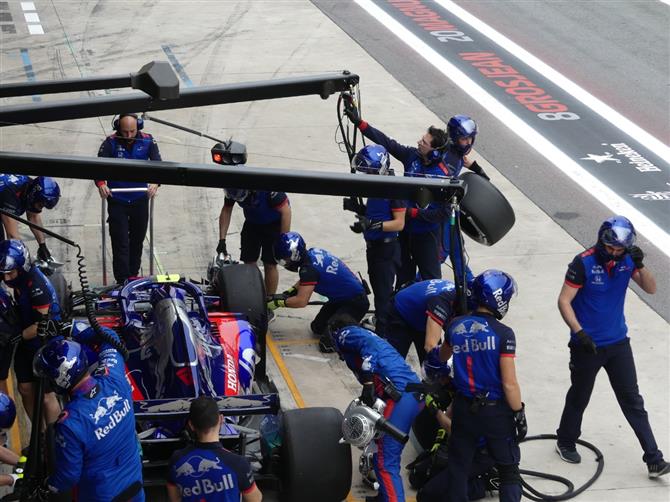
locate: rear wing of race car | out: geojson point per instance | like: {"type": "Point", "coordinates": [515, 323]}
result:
{"type": "Point", "coordinates": [229, 406]}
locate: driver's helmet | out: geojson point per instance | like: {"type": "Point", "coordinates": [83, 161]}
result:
{"type": "Point", "coordinates": [42, 192]}
{"type": "Point", "coordinates": [236, 194]}
{"type": "Point", "coordinates": [62, 363]}
{"type": "Point", "coordinates": [461, 126]}
{"type": "Point", "coordinates": [433, 369]}
{"type": "Point", "coordinates": [617, 231]}
{"type": "Point", "coordinates": [372, 159]}
{"type": "Point", "coordinates": [14, 255]}
{"type": "Point", "coordinates": [7, 411]}
{"type": "Point", "coordinates": [494, 289]}
{"type": "Point", "coordinates": [290, 250]}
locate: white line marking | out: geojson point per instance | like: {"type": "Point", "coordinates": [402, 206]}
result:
{"type": "Point", "coordinates": [36, 29]}
{"type": "Point", "coordinates": [28, 6]}
{"type": "Point", "coordinates": [588, 99]}
{"type": "Point", "coordinates": [31, 17]}
{"type": "Point", "coordinates": [666, 2]}
{"type": "Point", "coordinates": [308, 358]}
{"type": "Point", "coordinates": [544, 147]}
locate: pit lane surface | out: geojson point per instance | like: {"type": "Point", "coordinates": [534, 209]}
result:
{"type": "Point", "coordinates": [244, 41]}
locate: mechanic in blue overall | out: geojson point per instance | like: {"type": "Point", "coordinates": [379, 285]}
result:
{"type": "Point", "coordinates": [205, 471]}
{"type": "Point", "coordinates": [128, 211]}
{"type": "Point", "coordinates": [435, 156]}
{"type": "Point", "coordinates": [379, 220]}
{"type": "Point", "coordinates": [266, 215]}
{"type": "Point", "coordinates": [21, 194]}
{"type": "Point", "coordinates": [384, 375]}
{"type": "Point", "coordinates": [591, 303]}
{"type": "Point", "coordinates": [36, 302]}
{"type": "Point", "coordinates": [325, 274]}
{"type": "Point", "coordinates": [7, 456]}
{"type": "Point", "coordinates": [487, 403]}
{"type": "Point", "coordinates": [96, 447]}
{"type": "Point", "coordinates": [417, 315]}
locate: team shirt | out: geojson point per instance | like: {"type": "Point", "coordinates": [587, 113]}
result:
{"type": "Point", "coordinates": [382, 210]}
{"type": "Point", "coordinates": [12, 187]}
{"type": "Point", "coordinates": [330, 276]}
{"type": "Point", "coordinates": [261, 207]}
{"type": "Point", "coordinates": [433, 298]}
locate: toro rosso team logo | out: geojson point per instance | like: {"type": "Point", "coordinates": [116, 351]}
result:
{"type": "Point", "coordinates": [196, 466]}
{"type": "Point", "coordinates": [105, 407]}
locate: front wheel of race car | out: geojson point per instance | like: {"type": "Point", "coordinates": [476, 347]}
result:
{"type": "Point", "coordinates": [315, 465]}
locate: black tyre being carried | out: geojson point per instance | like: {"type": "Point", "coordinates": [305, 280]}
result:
{"type": "Point", "coordinates": [486, 215]}
{"type": "Point", "coordinates": [241, 289]}
{"type": "Point", "coordinates": [316, 467]}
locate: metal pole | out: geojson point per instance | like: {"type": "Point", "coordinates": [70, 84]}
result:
{"type": "Point", "coordinates": [151, 236]}
{"type": "Point", "coordinates": [103, 207]}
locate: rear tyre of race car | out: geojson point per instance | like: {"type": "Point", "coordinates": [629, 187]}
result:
{"type": "Point", "coordinates": [63, 293]}
{"type": "Point", "coordinates": [486, 215]}
{"type": "Point", "coordinates": [241, 289]}
{"type": "Point", "coordinates": [315, 465]}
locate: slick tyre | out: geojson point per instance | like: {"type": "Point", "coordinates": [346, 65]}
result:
{"type": "Point", "coordinates": [241, 289]}
{"type": "Point", "coordinates": [310, 441]}
{"type": "Point", "coordinates": [63, 293]}
{"type": "Point", "coordinates": [486, 215]}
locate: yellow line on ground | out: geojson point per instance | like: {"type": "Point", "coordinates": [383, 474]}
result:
{"type": "Point", "coordinates": [279, 361]}
{"type": "Point", "coordinates": [15, 432]}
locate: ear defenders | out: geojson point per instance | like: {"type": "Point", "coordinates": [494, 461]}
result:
{"type": "Point", "coordinates": [116, 120]}
{"type": "Point", "coordinates": [437, 152]}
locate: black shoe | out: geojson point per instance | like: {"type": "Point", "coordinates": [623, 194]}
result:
{"type": "Point", "coordinates": [658, 469]}
{"type": "Point", "coordinates": [326, 344]}
{"type": "Point", "coordinates": [568, 454]}
{"type": "Point", "coordinates": [372, 498]}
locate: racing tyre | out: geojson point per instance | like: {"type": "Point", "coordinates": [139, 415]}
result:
{"type": "Point", "coordinates": [315, 465]}
{"type": "Point", "coordinates": [241, 289]}
{"type": "Point", "coordinates": [486, 215]}
{"type": "Point", "coordinates": [50, 437]}
{"type": "Point", "coordinates": [63, 293]}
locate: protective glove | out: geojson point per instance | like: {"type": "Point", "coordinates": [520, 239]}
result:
{"type": "Point", "coordinates": [440, 438]}
{"type": "Point", "coordinates": [637, 255]}
{"type": "Point", "coordinates": [351, 110]}
{"type": "Point", "coordinates": [276, 301]}
{"type": "Point", "coordinates": [353, 204]}
{"type": "Point", "coordinates": [586, 341]}
{"type": "Point", "coordinates": [520, 423]}
{"type": "Point", "coordinates": [477, 169]}
{"type": "Point", "coordinates": [364, 224]}
{"type": "Point", "coordinates": [292, 291]}
{"type": "Point", "coordinates": [368, 394]}
{"type": "Point", "coordinates": [221, 248]}
{"type": "Point", "coordinates": [48, 327]}
{"type": "Point", "coordinates": [43, 252]}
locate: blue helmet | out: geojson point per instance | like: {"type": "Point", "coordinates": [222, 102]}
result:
{"type": "Point", "coordinates": [461, 126]}
{"type": "Point", "coordinates": [237, 194]}
{"type": "Point", "coordinates": [14, 256]}
{"type": "Point", "coordinates": [44, 191]}
{"type": "Point", "coordinates": [62, 362]}
{"type": "Point", "coordinates": [7, 411]}
{"type": "Point", "coordinates": [290, 250]}
{"type": "Point", "coordinates": [617, 231]}
{"type": "Point", "coordinates": [373, 159]}
{"type": "Point", "coordinates": [433, 369]}
{"type": "Point", "coordinates": [494, 289]}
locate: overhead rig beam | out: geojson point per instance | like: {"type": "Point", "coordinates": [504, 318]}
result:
{"type": "Point", "coordinates": [422, 190]}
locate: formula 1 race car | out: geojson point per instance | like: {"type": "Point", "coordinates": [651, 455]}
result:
{"type": "Point", "coordinates": [186, 339]}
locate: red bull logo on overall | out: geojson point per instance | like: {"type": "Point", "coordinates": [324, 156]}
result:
{"type": "Point", "coordinates": [474, 345]}
{"type": "Point", "coordinates": [115, 418]}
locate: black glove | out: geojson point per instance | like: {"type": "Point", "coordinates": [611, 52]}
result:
{"type": "Point", "coordinates": [520, 423]}
{"type": "Point", "coordinates": [586, 341]}
{"type": "Point", "coordinates": [292, 291]}
{"type": "Point", "coordinates": [363, 224]}
{"type": "Point", "coordinates": [353, 204]}
{"type": "Point", "coordinates": [368, 394]}
{"type": "Point", "coordinates": [43, 252]}
{"type": "Point", "coordinates": [637, 255]}
{"type": "Point", "coordinates": [477, 169]}
{"type": "Point", "coordinates": [276, 301]}
{"type": "Point", "coordinates": [350, 109]}
{"type": "Point", "coordinates": [221, 248]}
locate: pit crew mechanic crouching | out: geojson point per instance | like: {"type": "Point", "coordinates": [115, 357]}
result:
{"type": "Point", "coordinates": [487, 403]}
{"type": "Point", "coordinates": [417, 315]}
{"type": "Point", "coordinates": [266, 215]}
{"type": "Point", "coordinates": [21, 194]}
{"type": "Point", "coordinates": [324, 273]}
{"type": "Point", "coordinates": [379, 220]}
{"type": "Point", "coordinates": [96, 447]}
{"type": "Point", "coordinates": [205, 471]}
{"type": "Point", "coordinates": [7, 456]}
{"type": "Point", "coordinates": [36, 301]}
{"type": "Point", "coordinates": [384, 374]}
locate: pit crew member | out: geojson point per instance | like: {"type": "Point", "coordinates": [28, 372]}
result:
{"type": "Point", "coordinates": [96, 447]}
{"type": "Point", "coordinates": [205, 471]}
{"type": "Point", "coordinates": [7, 456]}
{"type": "Point", "coordinates": [591, 303]}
